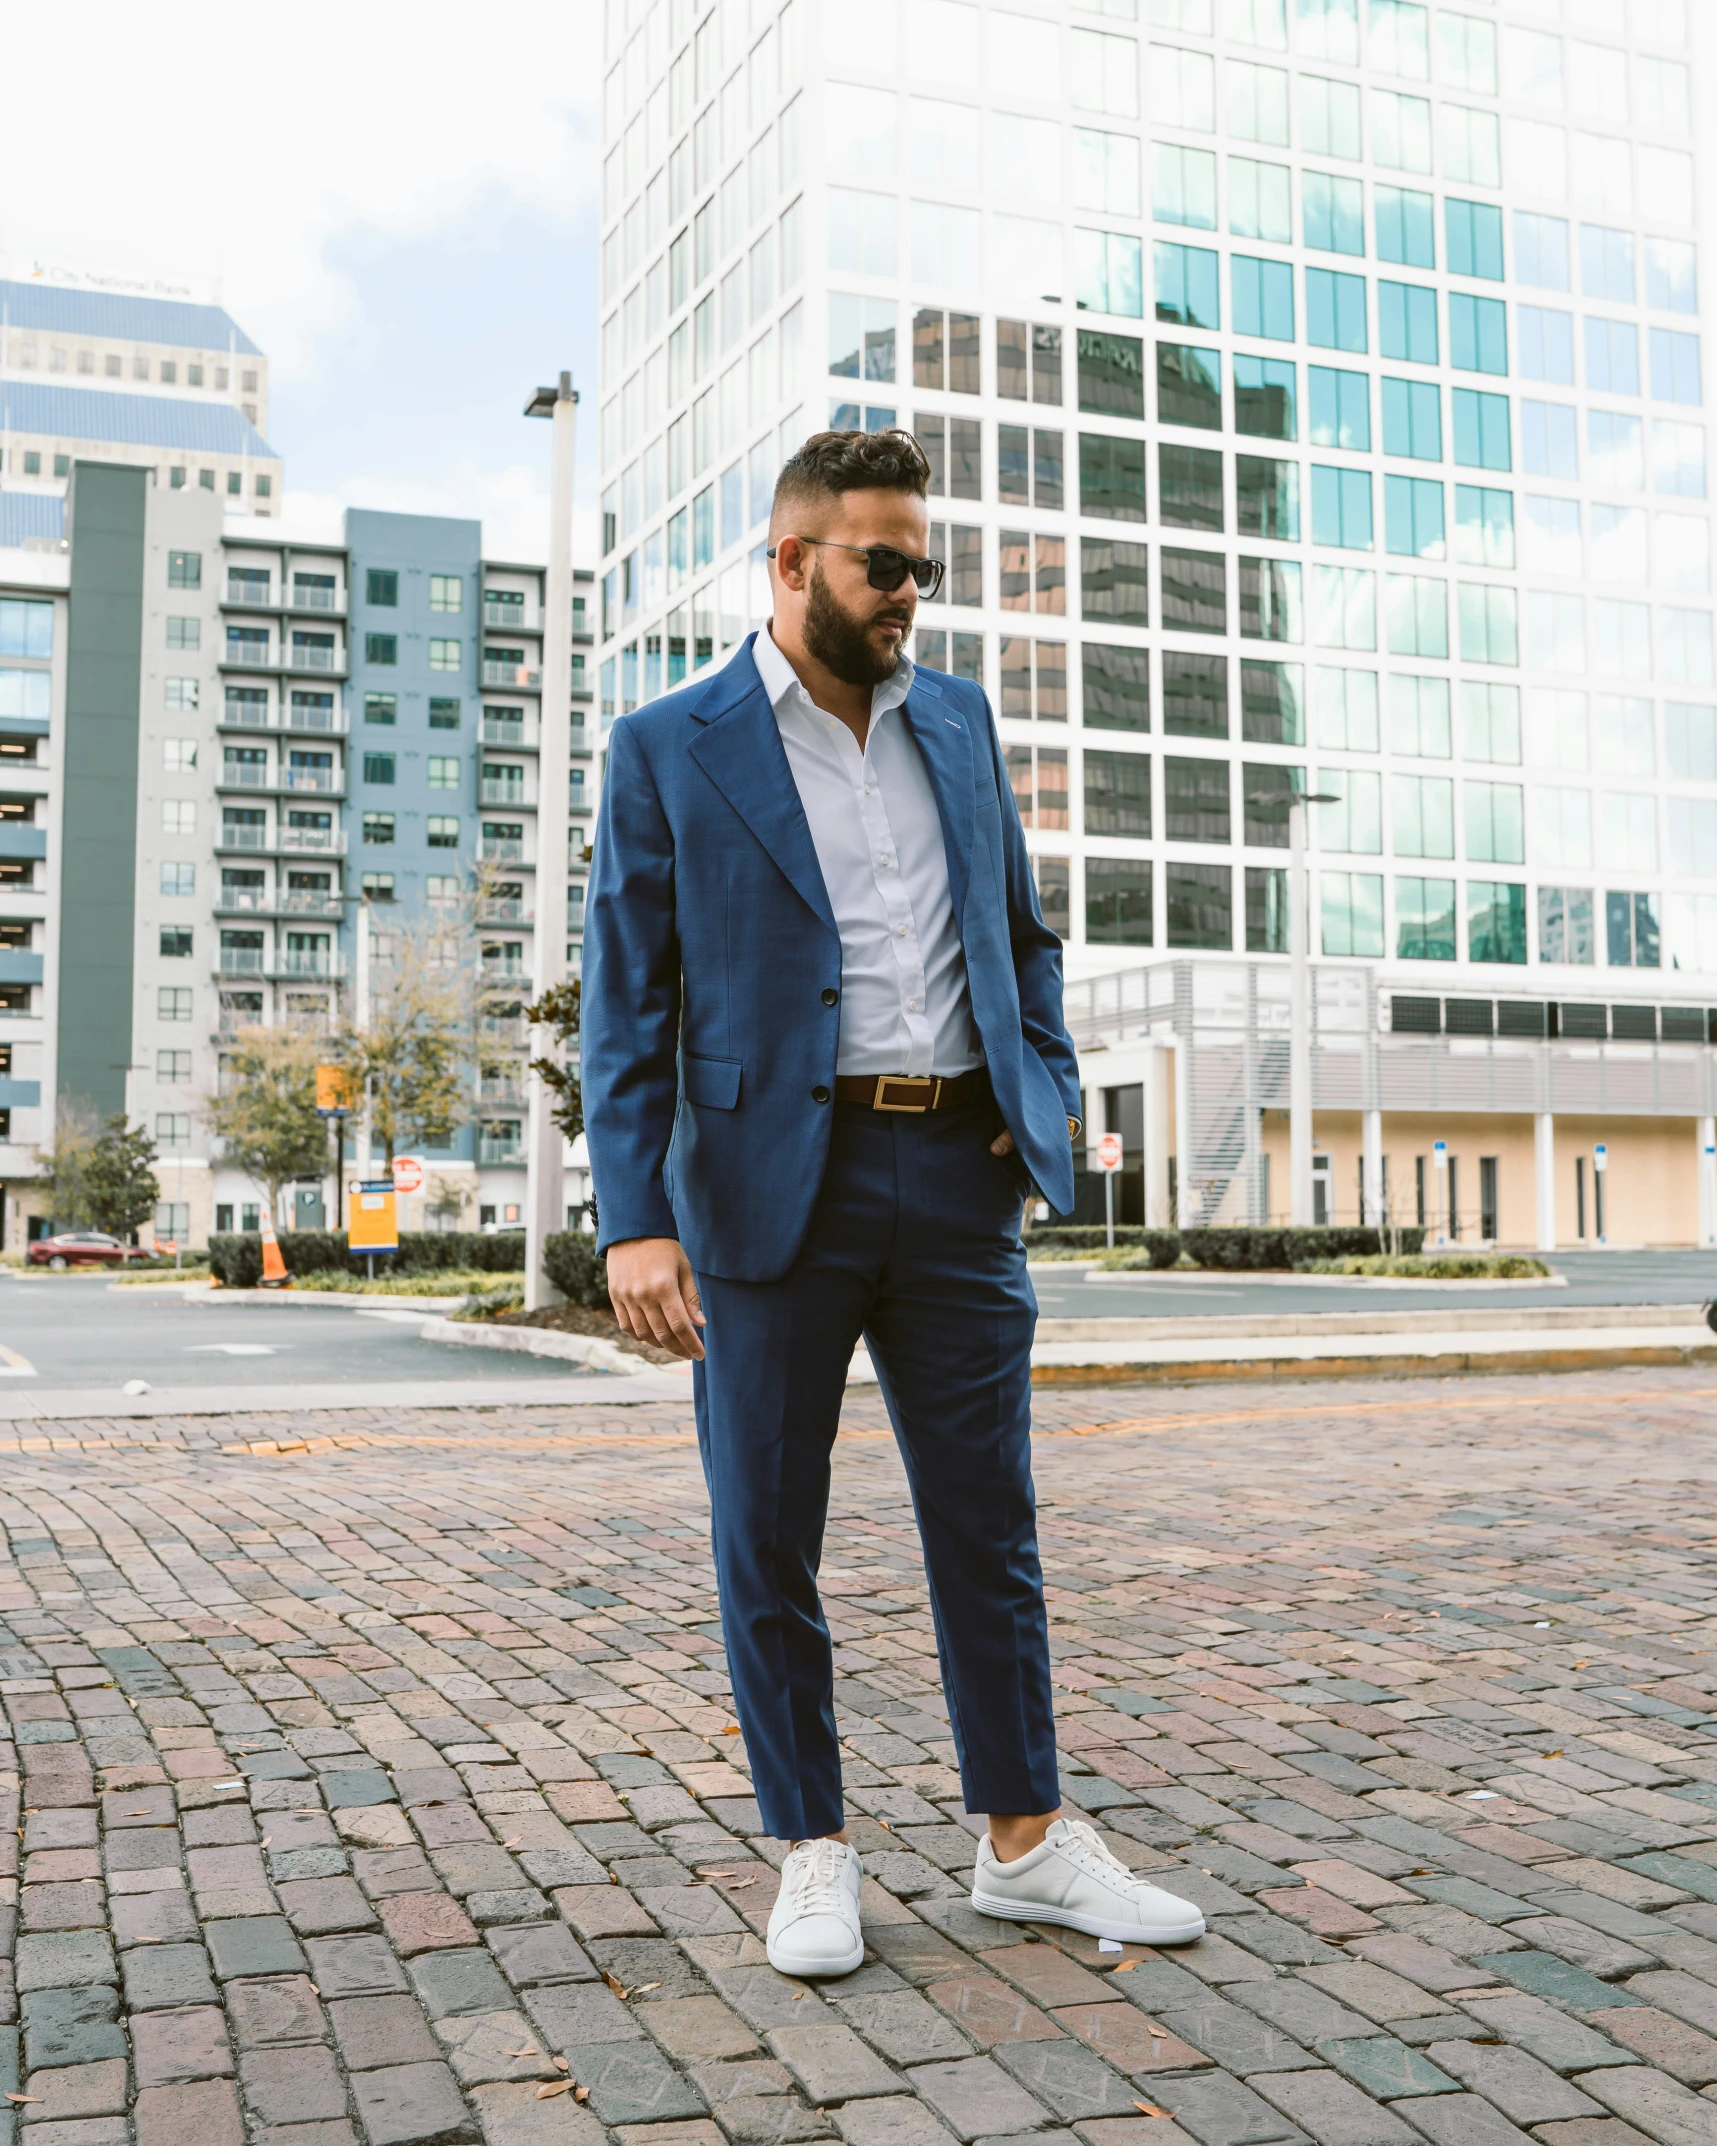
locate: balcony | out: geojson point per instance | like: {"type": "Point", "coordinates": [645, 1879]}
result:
{"type": "Point", "coordinates": [502, 849]}
{"type": "Point", "coordinates": [243, 901]}
{"type": "Point", "coordinates": [252, 595]}
{"type": "Point", "coordinates": [521, 732]}
{"type": "Point", "coordinates": [496, 1148]}
{"type": "Point", "coordinates": [519, 676]}
{"type": "Point", "coordinates": [495, 790]}
{"type": "Point", "coordinates": [248, 656]}
{"type": "Point", "coordinates": [314, 781]}
{"type": "Point", "coordinates": [288, 781]}
{"type": "Point", "coordinates": [317, 841]}
{"type": "Point", "coordinates": [243, 961]}
{"type": "Point", "coordinates": [297, 904]}
{"type": "Point", "coordinates": [330, 602]}
{"type": "Point", "coordinates": [322, 660]}
{"type": "Point", "coordinates": [506, 618]}
{"type": "Point", "coordinates": [499, 910]}
{"type": "Point", "coordinates": [324, 722]}
{"type": "Point", "coordinates": [506, 1032]}
{"type": "Point", "coordinates": [247, 840]}
{"type": "Point", "coordinates": [323, 964]}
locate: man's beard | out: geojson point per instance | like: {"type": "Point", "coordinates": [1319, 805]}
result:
{"type": "Point", "coordinates": [840, 642]}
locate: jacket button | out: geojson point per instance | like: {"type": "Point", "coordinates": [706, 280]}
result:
{"type": "Point", "coordinates": [819, 1094]}
{"type": "Point", "coordinates": [830, 995]}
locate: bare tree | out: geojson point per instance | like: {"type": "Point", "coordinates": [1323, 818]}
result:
{"type": "Point", "coordinates": [265, 1111]}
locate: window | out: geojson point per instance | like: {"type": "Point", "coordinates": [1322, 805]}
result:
{"type": "Point", "coordinates": [381, 588]}
{"type": "Point", "coordinates": [444, 655]}
{"type": "Point", "coordinates": [178, 816]}
{"type": "Point", "coordinates": [1480, 429]}
{"type": "Point", "coordinates": [1117, 687]}
{"type": "Point", "coordinates": [1266, 791]}
{"type": "Point", "coordinates": [1189, 386]}
{"type": "Point", "coordinates": [1612, 356]}
{"type": "Point", "coordinates": [1117, 794]}
{"type": "Point", "coordinates": [175, 942]}
{"type": "Point", "coordinates": [1257, 103]}
{"type": "Point", "coordinates": [1352, 913]}
{"type": "Point", "coordinates": [1111, 477]}
{"type": "Point", "coordinates": [1341, 507]}
{"type": "Point", "coordinates": [1118, 901]}
{"type": "Point", "coordinates": [1271, 605]}
{"type": "Point", "coordinates": [1490, 631]}
{"type": "Point", "coordinates": [1335, 310]}
{"type": "Point", "coordinates": [1418, 616]}
{"type": "Point", "coordinates": [861, 339]}
{"type": "Point", "coordinates": [1195, 799]}
{"type": "Point", "coordinates": [953, 447]}
{"type": "Point", "coordinates": [1546, 344]}
{"type": "Point", "coordinates": [381, 708]}
{"type": "Point", "coordinates": [1406, 228]}
{"type": "Point", "coordinates": [181, 693]}
{"type": "Point", "coordinates": [1413, 517]}
{"type": "Point", "coordinates": [1671, 276]}
{"type": "Point", "coordinates": [1422, 815]}
{"type": "Point", "coordinates": [1183, 186]}
{"type": "Point", "coordinates": [1407, 322]}
{"type": "Point", "coordinates": [1034, 683]}
{"type": "Point", "coordinates": [26, 629]}
{"type": "Point", "coordinates": [1267, 497]}
{"type": "Point", "coordinates": [1607, 263]}
{"type": "Point", "coordinates": [1200, 903]}
{"type": "Point", "coordinates": [1690, 742]}
{"type": "Point", "coordinates": [442, 831]}
{"type": "Point", "coordinates": [173, 1130]}
{"type": "Point", "coordinates": [1194, 591]}
{"type": "Point", "coordinates": [1413, 420]}
{"type": "Point", "coordinates": [444, 774]}
{"type": "Point", "coordinates": [1195, 695]}
{"type": "Point", "coordinates": [178, 879]}
{"type": "Point", "coordinates": [1562, 827]}
{"type": "Point", "coordinates": [1111, 374]}
{"type": "Point", "coordinates": [1028, 587]}
{"type": "Point", "coordinates": [184, 633]}
{"type": "Point", "coordinates": [1333, 212]}
{"type": "Point", "coordinates": [1346, 704]}
{"type": "Point", "coordinates": [1496, 922]}
{"type": "Point", "coordinates": [444, 714]}
{"type": "Point", "coordinates": [1400, 131]}
{"type": "Point", "coordinates": [378, 827]}
{"type": "Point", "coordinates": [1674, 366]}
{"type": "Point", "coordinates": [1055, 894]}
{"type": "Point", "coordinates": [1266, 910]}
{"type": "Point", "coordinates": [378, 767]}
{"type": "Point", "coordinates": [1188, 289]}
{"type": "Point", "coordinates": [1678, 459]}
{"type": "Point", "coordinates": [1490, 723]}
{"type": "Point", "coordinates": [1263, 298]}
{"type": "Point", "coordinates": [1114, 581]}
{"type": "Point", "coordinates": [1478, 334]}
{"type": "Point", "coordinates": [1106, 167]}
{"type": "Point", "coordinates": [184, 570]}
{"type": "Point", "coordinates": [1473, 232]}
{"type": "Point", "coordinates": [1565, 932]}
{"type": "Point", "coordinates": [1028, 361]}
{"type": "Point", "coordinates": [1183, 84]}
{"type": "Point", "coordinates": [1259, 200]}
{"type": "Point", "coordinates": [1340, 409]}
{"type": "Point", "coordinates": [1029, 467]}
{"type": "Point", "coordinates": [446, 592]}
{"type": "Point", "coordinates": [1189, 481]}
{"type": "Point", "coordinates": [1354, 822]}
{"type": "Point", "coordinates": [1495, 823]}
{"type": "Point", "coordinates": [173, 1002]}
{"type": "Point", "coordinates": [1265, 396]}
{"type": "Point", "coordinates": [1484, 526]}
{"type": "Point", "coordinates": [381, 648]}
{"type": "Point", "coordinates": [1549, 443]}
{"type": "Point", "coordinates": [1344, 607]}
{"type": "Point", "coordinates": [1329, 30]}
{"type": "Point", "coordinates": [1042, 802]}
{"type": "Point", "coordinates": [172, 1068]}
{"type": "Point", "coordinates": [1329, 118]}
{"type": "Point", "coordinates": [1425, 919]}
{"type": "Point", "coordinates": [378, 886]}
{"type": "Point", "coordinates": [1108, 273]}
{"type": "Point", "coordinates": [1541, 251]}
{"type": "Point", "coordinates": [1272, 703]}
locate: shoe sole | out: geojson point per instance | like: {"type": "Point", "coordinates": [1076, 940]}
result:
{"type": "Point", "coordinates": [829, 1964]}
{"type": "Point", "coordinates": [1120, 1933]}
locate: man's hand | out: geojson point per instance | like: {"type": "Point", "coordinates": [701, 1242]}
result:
{"type": "Point", "coordinates": [1002, 1144]}
{"type": "Point", "coordinates": [654, 1296]}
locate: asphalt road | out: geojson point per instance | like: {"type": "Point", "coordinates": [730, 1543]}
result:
{"type": "Point", "coordinates": [80, 1331]}
{"type": "Point", "coordinates": [1593, 1278]}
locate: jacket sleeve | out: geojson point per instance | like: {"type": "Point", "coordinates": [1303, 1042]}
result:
{"type": "Point", "coordinates": [1036, 949]}
{"type": "Point", "coordinates": [630, 1020]}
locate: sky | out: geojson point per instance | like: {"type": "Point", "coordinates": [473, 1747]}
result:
{"type": "Point", "coordinates": [397, 202]}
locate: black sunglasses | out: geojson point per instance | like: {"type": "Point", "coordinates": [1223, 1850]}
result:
{"type": "Point", "coordinates": [887, 568]}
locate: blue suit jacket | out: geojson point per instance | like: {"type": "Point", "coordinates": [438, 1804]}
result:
{"type": "Point", "coordinates": [709, 944]}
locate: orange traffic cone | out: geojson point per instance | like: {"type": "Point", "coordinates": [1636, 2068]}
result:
{"type": "Point", "coordinates": [274, 1275]}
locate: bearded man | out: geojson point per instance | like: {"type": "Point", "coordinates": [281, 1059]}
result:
{"type": "Point", "coordinates": [824, 1064]}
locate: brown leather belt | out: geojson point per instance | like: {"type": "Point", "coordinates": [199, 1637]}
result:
{"type": "Point", "coordinates": [913, 1092]}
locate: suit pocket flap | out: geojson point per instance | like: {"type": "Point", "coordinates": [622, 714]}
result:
{"type": "Point", "coordinates": [713, 1082]}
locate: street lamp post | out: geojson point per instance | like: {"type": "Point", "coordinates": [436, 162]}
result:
{"type": "Point", "coordinates": [545, 1182]}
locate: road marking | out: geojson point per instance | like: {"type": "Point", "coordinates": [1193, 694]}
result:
{"type": "Point", "coordinates": [232, 1348]}
{"type": "Point", "coordinates": [14, 1366]}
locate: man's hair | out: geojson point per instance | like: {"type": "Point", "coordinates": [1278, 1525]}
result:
{"type": "Point", "coordinates": [831, 463]}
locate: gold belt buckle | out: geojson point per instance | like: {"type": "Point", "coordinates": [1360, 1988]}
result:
{"type": "Point", "coordinates": [915, 1081]}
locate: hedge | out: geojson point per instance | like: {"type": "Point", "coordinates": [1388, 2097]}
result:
{"type": "Point", "coordinates": [235, 1258]}
{"type": "Point", "coordinates": [571, 1261]}
{"type": "Point", "coordinates": [1239, 1250]}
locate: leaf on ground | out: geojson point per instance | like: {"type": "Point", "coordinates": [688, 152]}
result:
{"type": "Point", "coordinates": [1125, 1968]}
{"type": "Point", "coordinates": [739, 1884]}
{"type": "Point", "coordinates": [25, 2097]}
{"type": "Point", "coordinates": [561, 2064]}
{"type": "Point", "coordinates": [1552, 1754]}
{"type": "Point", "coordinates": [644, 1988]}
{"type": "Point", "coordinates": [521, 2052]}
{"type": "Point", "coordinates": [614, 1983]}
{"type": "Point", "coordinates": [1161, 2033]}
{"type": "Point", "coordinates": [613, 1878]}
{"type": "Point", "coordinates": [732, 1729]}
{"type": "Point", "coordinates": [581, 2093]}
{"type": "Point", "coordinates": [519, 1843]}
{"type": "Point", "coordinates": [555, 2086]}
{"type": "Point", "coordinates": [1150, 2108]}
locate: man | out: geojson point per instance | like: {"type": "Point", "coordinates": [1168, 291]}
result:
{"type": "Point", "coordinates": [823, 1061]}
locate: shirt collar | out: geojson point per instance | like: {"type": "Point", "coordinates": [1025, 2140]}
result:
{"type": "Point", "coordinates": [781, 682]}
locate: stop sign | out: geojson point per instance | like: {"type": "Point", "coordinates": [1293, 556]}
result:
{"type": "Point", "coordinates": [408, 1173]}
{"type": "Point", "coordinates": [1109, 1152]}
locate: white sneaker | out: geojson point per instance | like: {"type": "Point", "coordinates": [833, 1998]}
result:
{"type": "Point", "coordinates": [1074, 1881]}
{"type": "Point", "coordinates": [814, 1924]}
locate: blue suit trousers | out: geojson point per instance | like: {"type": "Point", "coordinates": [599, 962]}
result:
{"type": "Point", "coordinates": [913, 1243]}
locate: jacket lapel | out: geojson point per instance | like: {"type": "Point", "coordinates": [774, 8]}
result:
{"type": "Point", "coordinates": [740, 750]}
{"type": "Point", "coordinates": [945, 743]}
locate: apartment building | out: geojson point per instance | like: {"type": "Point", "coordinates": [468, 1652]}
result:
{"type": "Point", "coordinates": [1314, 391]}
{"type": "Point", "coordinates": [161, 383]}
{"type": "Point", "coordinates": [228, 755]}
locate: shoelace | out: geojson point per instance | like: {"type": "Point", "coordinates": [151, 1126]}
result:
{"type": "Point", "coordinates": [812, 1870]}
{"type": "Point", "coordinates": [1082, 1846]}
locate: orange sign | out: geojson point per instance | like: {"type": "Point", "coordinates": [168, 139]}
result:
{"type": "Point", "coordinates": [333, 1091]}
{"type": "Point", "coordinates": [408, 1173]}
{"type": "Point", "coordinates": [372, 1221]}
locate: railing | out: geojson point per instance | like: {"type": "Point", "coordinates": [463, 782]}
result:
{"type": "Point", "coordinates": [322, 781]}
{"type": "Point", "coordinates": [511, 1033]}
{"type": "Point", "coordinates": [326, 841]}
{"type": "Point", "coordinates": [511, 973]}
{"type": "Point", "coordinates": [233, 836]}
{"type": "Point", "coordinates": [322, 963]}
{"type": "Point", "coordinates": [516, 730]}
{"type": "Point", "coordinates": [315, 599]}
{"type": "Point", "coordinates": [305, 722]}
{"type": "Point", "coordinates": [329, 722]}
{"type": "Point", "coordinates": [248, 656]}
{"type": "Point", "coordinates": [244, 775]}
{"type": "Point", "coordinates": [241, 590]}
{"type": "Point", "coordinates": [308, 905]}
{"type": "Point", "coordinates": [242, 960]}
{"type": "Point", "coordinates": [493, 850]}
{"type": "Point", "coordinates": [499, 911]}
{"type": "Point", "coordinates": [315, 659]}
{"type": "Point", "coordinates": [516, 794]}
{"type": "Point", "coordinates": [238, 715]}
{"type": "Point", "coordinates": [519, 675]}
{"type": "Point", "coordinates": [244, 900]}
{"type": "Point", "coordinates": [496, 1152]}
{"type": "Point", "coordinates": [504, 615]}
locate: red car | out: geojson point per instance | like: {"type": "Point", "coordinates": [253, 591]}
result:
{"type": "Point", "coordinates": [82, 1248]}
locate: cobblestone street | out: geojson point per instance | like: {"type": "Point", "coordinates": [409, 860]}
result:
{"type": "Point", "coordinates": [375, 1784]}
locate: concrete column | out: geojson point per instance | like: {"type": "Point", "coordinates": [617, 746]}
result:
{"type": "Point", "coordinates": [1158, 1137]}
{"type": "Point", "coordinates": [1707, 1162]}
{"type": "Point", "coordinates": [1187, 1196]}
{"type": "Point", "coordinates": [1544, 1175]}
{"type": "Point", "coordinates": [1372, 1168]}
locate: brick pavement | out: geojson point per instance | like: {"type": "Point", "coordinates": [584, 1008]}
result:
{"type": "Point", "coordinates": [375, 1786]}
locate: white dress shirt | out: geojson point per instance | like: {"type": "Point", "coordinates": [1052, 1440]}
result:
{"type": "Point", "coordinates": [905, 1005]}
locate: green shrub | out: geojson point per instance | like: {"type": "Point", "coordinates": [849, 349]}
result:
{"type": "Point", "coordinates": [235, 1258]}
{"type": "Point", "coordinates": [1247, 1250]}
{"type": "Point", "coordinates": [572, 1263]}
{"type": "Point", "coordinates": [1437, 1266]}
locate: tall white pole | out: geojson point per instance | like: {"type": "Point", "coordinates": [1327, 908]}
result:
{"type": "Point", "coordinates": [545, 1187]}
{"type": "Point", "coordinates": [1544, 1177]}
{"type": "Point", "coordinates": [1706, 1163]}
{"type": "Point", "coordinates": [1299, 1023]}
{"type": "Point", "coordinates": [361, 1016]}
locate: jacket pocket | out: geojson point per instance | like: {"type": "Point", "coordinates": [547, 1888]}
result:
{"type": "Point", "coordinates": [712, 1082]}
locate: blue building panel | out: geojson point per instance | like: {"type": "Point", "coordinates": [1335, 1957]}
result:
{"type": "Point", "coordinates": [19, 843]}
{"type": "Point", "coordinates": [88, 413]}
{"type": "Point", "coordinates": [20, 1094]}
{"type": "Point", "coordinates": [26, 515]}
{"type": "Point", "coordinates": [120, 318]}
{"type": "Point", "coordinates": [19, 966]}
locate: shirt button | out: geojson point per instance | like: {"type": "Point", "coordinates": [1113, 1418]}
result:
{"type": "Point", "coordinates": [819, 1094]}
{"type": "Point", "coordinates": [902, 930]}
{"type": "Point", "coordinates": [912, 1005]}
{"type": "Point", "coordinates": [830, 995]}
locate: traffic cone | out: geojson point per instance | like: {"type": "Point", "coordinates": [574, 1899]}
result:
{"type": "Point", "coordinates": [274, 1275]}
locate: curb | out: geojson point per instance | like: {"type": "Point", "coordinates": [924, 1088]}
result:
{"type": "Point", "coordinates": [1283, 1369]}
{"type": "Point", "coordinates": [588, 1349]}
